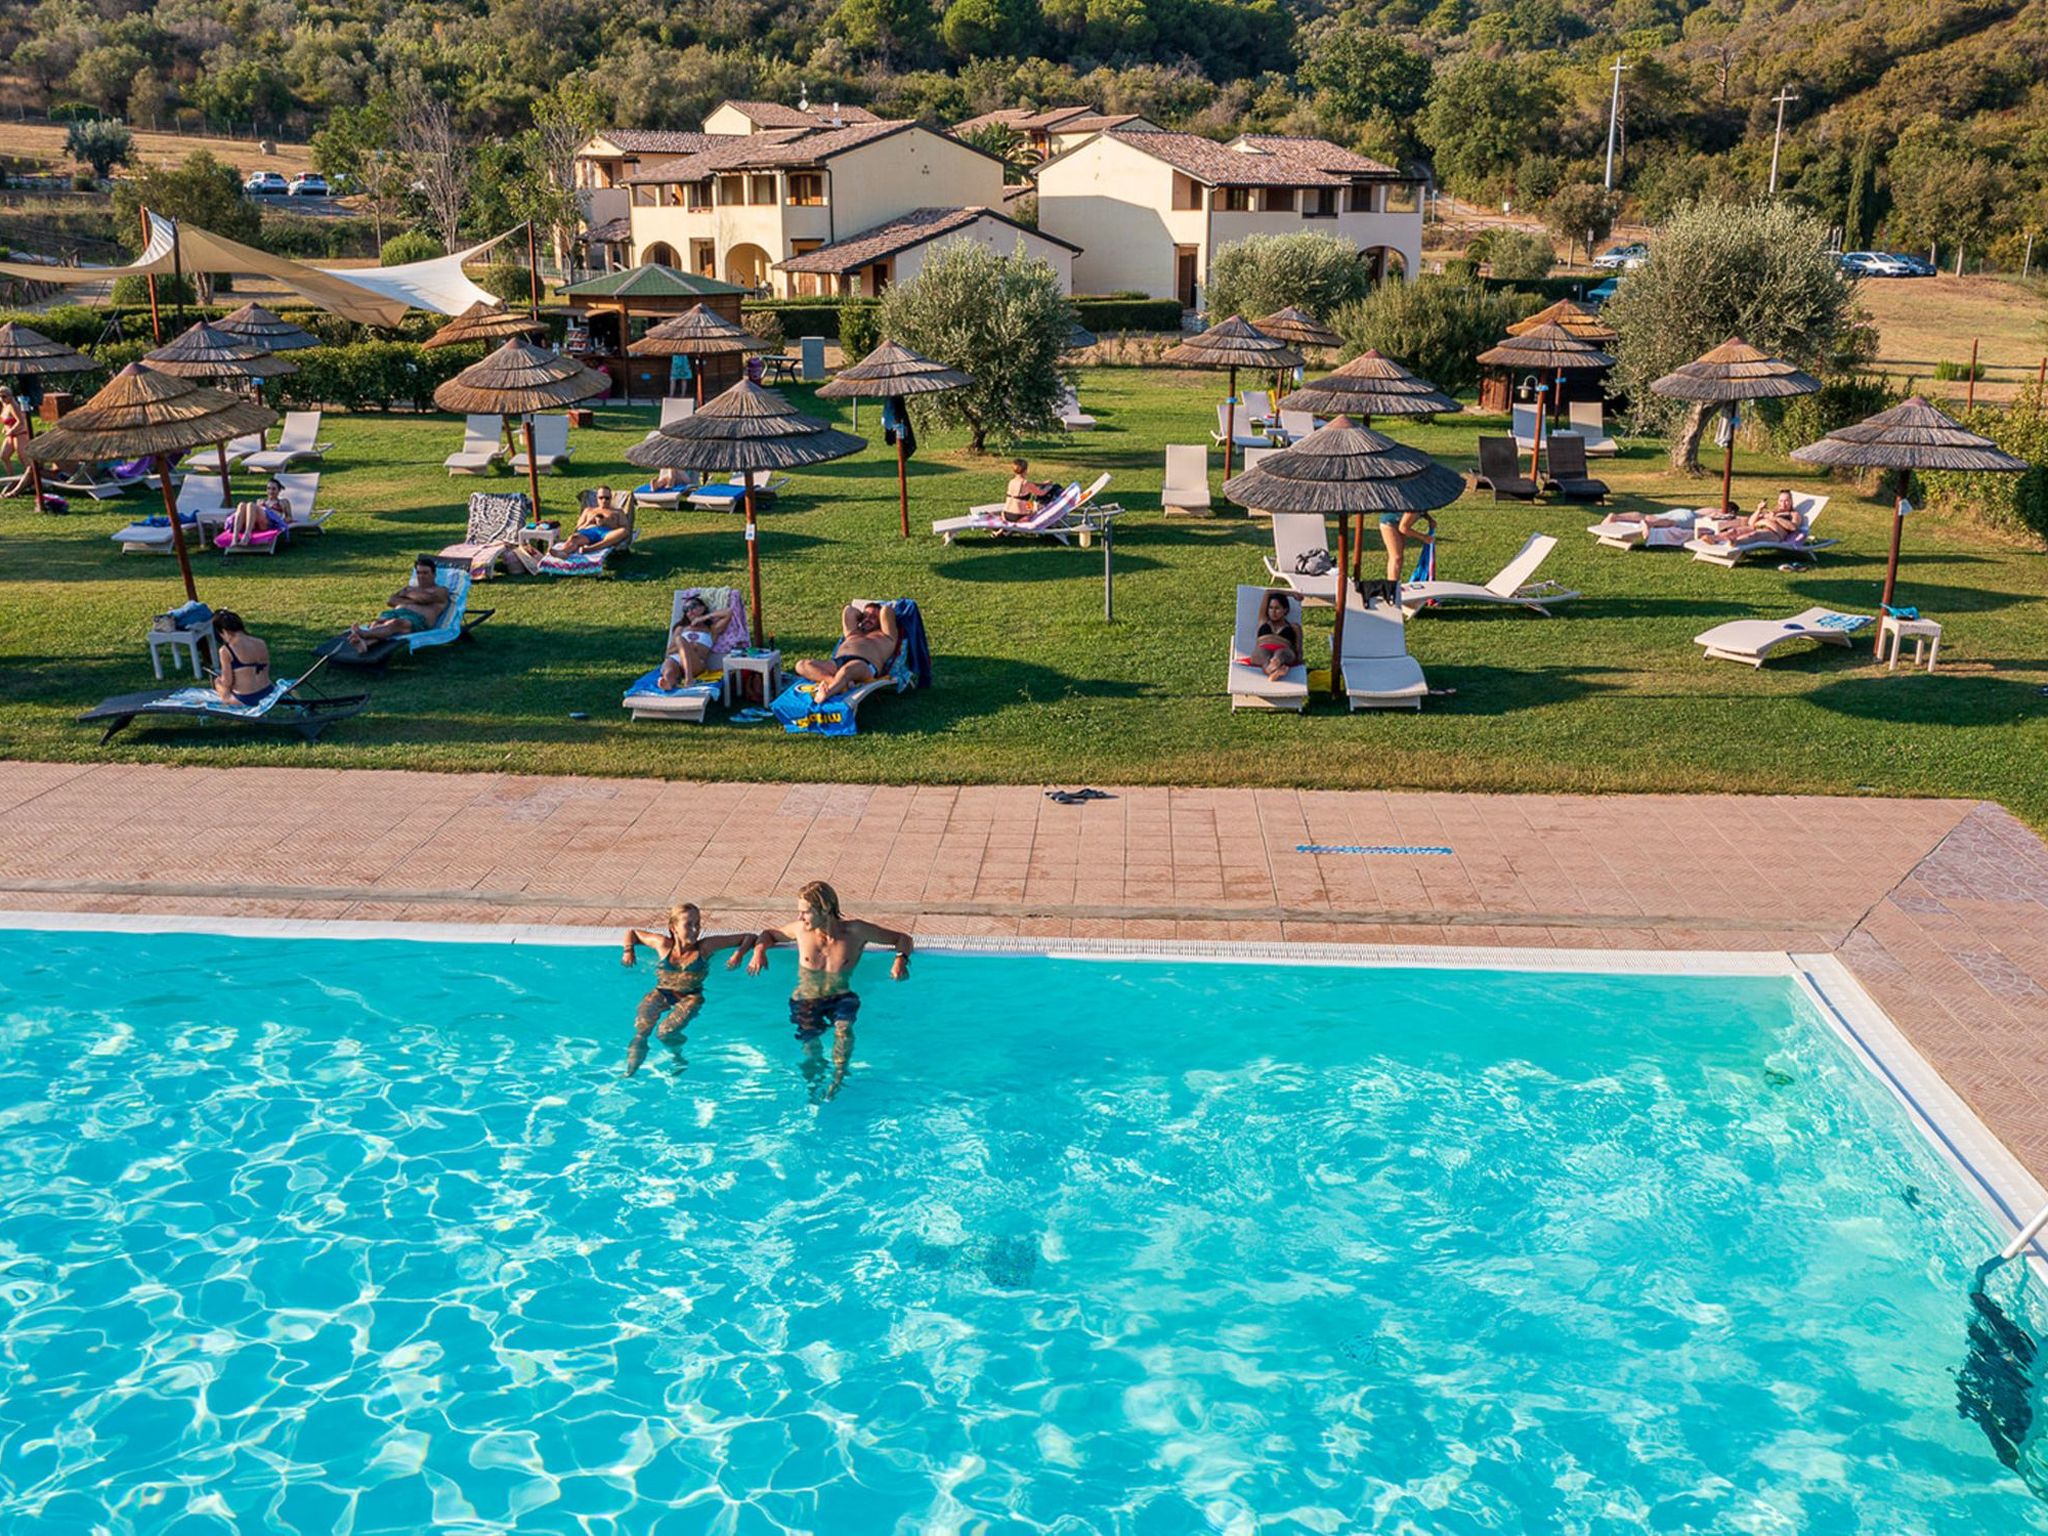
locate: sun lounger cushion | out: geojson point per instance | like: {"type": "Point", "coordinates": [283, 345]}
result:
{"type": "Point", "coordinates": [267, 539]}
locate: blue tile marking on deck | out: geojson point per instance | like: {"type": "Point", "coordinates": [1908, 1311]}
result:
{"type": "Point", "coordinates": [1365, 848]}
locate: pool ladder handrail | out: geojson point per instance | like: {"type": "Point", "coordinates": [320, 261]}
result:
{"type": "Point", "coordinates": [2024, 1236]}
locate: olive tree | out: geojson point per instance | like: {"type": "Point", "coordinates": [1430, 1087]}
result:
{"type": "Point", "coordinates": [1436, 326]}
{"type": "Point", "coordinates": [100, 143]}
{"type": "Point", "coordinates": [1261, 273]}
{"type": "Point", "coordinates": [1760, 271]}
{"type": "Point", "coordinates": [1000, 319]}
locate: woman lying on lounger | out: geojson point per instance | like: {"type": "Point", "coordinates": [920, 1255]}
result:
{"type": "Point", "coordinates": [272, 513]}
{"type": "Point", "coordinates": [1279, 638]}
{"type": "Point", "coordinates": [690, 643]}
{"type": "Point", "coordinates": [600, 526]}
{"type": "Point", "coordinates": [865, 651]}
{"type": "Point", "coordinates": [244, 675]}
{"type": "Point", "coordinates": [414, 609]}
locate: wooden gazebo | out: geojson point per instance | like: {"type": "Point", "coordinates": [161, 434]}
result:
{"type": "Point", "coordinates": [617, 309]}
{"type": "Point", "coordinates": [1497, 384]}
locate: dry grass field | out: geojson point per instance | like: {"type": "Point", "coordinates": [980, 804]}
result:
{"type": "Point", "coordinates": [1922, 321]}
{"type": "Point", "coordinates": [44, 143]}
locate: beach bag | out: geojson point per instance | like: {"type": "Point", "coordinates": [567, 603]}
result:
{"type": "Point", "coordinates": [1314, 562]}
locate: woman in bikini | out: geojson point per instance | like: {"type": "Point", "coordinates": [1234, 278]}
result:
{"type": "Point", "coordinates": [683, 955]}
{"type": "Point", "coordinates": [273, 512]}
{"type": "Point", "coordinates": [13, 428]}
{"type": "Point", "coordinates": [244, 662]}
{"type": "Point", "coordinates": [690, 643]}
{"type": "Point", "coordinates": [1279, 637]}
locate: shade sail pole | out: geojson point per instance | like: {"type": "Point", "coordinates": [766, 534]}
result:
{"type": "Point", "coordinates": [163, 478]}
{"type": "Point", "coordinates": [753, 562]}
{"type": "Point", "coordinates": [156, 324]}
{"type": "Point", "coordinates": [1891, 565]}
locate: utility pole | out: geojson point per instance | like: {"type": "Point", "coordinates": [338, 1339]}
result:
{"type": "Point", "coordinates": [1613, 114]}
{"type": "Point", "coordinates": [1784, 95]}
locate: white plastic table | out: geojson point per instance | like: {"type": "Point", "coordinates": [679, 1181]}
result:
{"type": "Point", "coordinates": [767, 665]}
{"type": "Point", "coordinates": [176, 640]}
{"type": "Point", "coordinates": [1924, 633]}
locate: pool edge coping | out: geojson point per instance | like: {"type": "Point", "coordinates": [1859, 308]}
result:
{"type": "Point", "coordinates": [1940, 1115]}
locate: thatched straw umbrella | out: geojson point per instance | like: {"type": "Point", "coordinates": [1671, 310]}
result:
{"type": "Point", "coordinates": [1908, 437]}
{"type": "Point", "coordinates": [1733, 371]}
{"type": "Point", "coordinates": [1371, 385]}
{"type": "Point", "coordinates": [1298, 328]}
{"type": "Point", "coordinates": [891, 372]}
{"type": "Point", "coordinates": [26, 354]}
{"type": "Point", "coordinates": [486, 321]}
{"type": "Point", "coordinates": [517, 380]}
{"type": "Point", "coordinates": [1575, 318]}
{"type": "Point", "coordinates": [254, 323]}
{"type": "Point", "coordinates": [1349, 471]}
{"type": "Point", "coordinates": [143, 413]}
{"type": "Point", "coordinates": [697, 332]}
{"type": "Point", "coordinates": [1545, 349]}
{"type": "Point", "coordinates": [744, 430]}
{"type": "Point", "coordinates": [211, 355]}
{"type": "Point", "coordinates": [1234, 344]}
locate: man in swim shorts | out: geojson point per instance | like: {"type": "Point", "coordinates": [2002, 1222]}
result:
{"type": "Point", "coordinates": [867, 646]}
{"type": "Point", "coordinates": [413, 608]}
{"type": "Point", "coordinates": [828, 947]}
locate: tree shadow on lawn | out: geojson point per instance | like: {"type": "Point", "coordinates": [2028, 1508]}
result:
{"type": "Point", "coordinates": [1036, 562]}
{"type": "Point", "coordinates": [1925, 698]}
{"type": "Point", "coordinates": [1486, 690]}
{"type": "Point", "coordinates": [965, 687]}
{"type": "Point", "coordinates": [1854, 594]}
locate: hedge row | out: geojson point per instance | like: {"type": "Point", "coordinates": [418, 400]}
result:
{"type": "Point", "coordinates": [820, 317]}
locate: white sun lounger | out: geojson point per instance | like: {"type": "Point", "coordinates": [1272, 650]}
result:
{"type": "Point", "coordinates": [1257, 405]}
{"type": "Point", "coordinates": [1250, 688]}
{"type": "Point", "coordinates": [483, 444]}
{"type": "Point", "coordinates": [1072, 417]}
{"type": "Point", "coordinates": [207, 457]}
{"type": "Point", "coordinates": [1243, 439]}
{"type": "Point", "coordinates": [198, 497]}
{"type": "Point", "coordinates": [1524, 417]}
{"type": "Point", "coordinates": [301, 490]}
{"type": "Point", "coordinates": [1510, 586]}
{"type": "Point", "coordinates": [1057, 518]}
{"type": "Point", "coordinates": [1296, 534]}
{"type": "Point", "coordinates": [95, 480]}
{"type": "Point", "coordinates": [1186, 488]}
{"type": "Point", "coordinates": [550, 444]}
{"type": "Point", "coordinates": [1618, 532]}
{"type": "Point", "coordinates": [674, 409]}
{"type": "Point", "coordinates": [1751, 641]}
{"type": "Point", "coordinates": [1295, 425]}
{"type": "Point", "coordinates": [1801, 543]}
{"type": "Point", "coordinates": [298, 440]}
{"type": "Point", "coordinates": [1378, 671]}
{"type": "Point", "coordinates": [1589, 420]}
{"type": "Point", "coordinates": [644, 700]}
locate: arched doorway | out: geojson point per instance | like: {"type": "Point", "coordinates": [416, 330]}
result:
{"type": "Point", "coordinates": [661, 253]}
{"type": "Point", "coordinates": [747, 265]}
{"type": "Point", "coordinates": [1385, 261]}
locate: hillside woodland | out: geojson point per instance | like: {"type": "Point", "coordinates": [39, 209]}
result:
{"type": "Point", "coordinates": [1912, 123]}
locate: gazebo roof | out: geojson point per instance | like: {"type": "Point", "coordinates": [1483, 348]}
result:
{"type": "Point", "coordinates": [1573, 318]}
{"type": "Point", "coordinates": [650, 280]}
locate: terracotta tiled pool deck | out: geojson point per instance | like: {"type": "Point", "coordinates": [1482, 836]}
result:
{"type": "Point", "coordinates": [1938, 907]}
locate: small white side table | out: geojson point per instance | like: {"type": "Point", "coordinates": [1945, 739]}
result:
{"type": "Point", "coordinates": [175, 641]}
{"type": "Point", "coordinates": [1924, 633]}
{"type": "Point", "coordinates": [766, 665]}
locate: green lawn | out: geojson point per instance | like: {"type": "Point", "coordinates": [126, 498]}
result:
{"type": "Point", "coordinates": [1032, 686]}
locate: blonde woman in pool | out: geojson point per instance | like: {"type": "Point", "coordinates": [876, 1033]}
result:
{"type": "Point", "coordinates": [683, 953]}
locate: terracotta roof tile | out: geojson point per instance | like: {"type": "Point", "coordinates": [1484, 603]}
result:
{"type": "Point", "coordinates": [774, 114]}
{"type": "Point", "coordinates": [654, 141]}
{"type": "Point", "coordinates": [1254, 160]}
{"type": "Point", "coordinates": [900, 234]}
{"type": "Point", "coordinates": [771, 149]}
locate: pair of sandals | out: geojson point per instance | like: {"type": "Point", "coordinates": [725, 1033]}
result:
{"type": "Point", "coordinates": [1076, 796]}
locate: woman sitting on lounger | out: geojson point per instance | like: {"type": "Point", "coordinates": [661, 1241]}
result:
{"type": "Point", "coordinates": [414, 609]}
{"type": "Point", "coordinates": [600, 526]}
{"type": "Point", "coordinates": [1279, 638]}
{"type": "Point", "coordinates": [272, 513]}
{"type": "Point", "coordinates": [244, 675]}
{"type": "Point", "coordinates": [865, 651]}
{"type": "Point", "coordinates": [1772, 521]}
{"type": "Point", "coordinates": [690, 643]}
{"type": "Point", "coordinates": [1023, 494]}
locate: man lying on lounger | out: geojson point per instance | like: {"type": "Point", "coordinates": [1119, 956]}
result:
{"type": "Point", "coordinates": [414, 609]}
{"type": "Point", "coordinates": [600, 526]}
{"type": "Point", "coordinates": [864, 654]}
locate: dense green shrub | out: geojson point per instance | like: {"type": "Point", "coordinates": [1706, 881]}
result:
{"type": "Point", "coordinates": [799, 317]}
{"type": "Point", "coordinates": [507, 283]}
{"type": "Point", "coordinates": [413, 245]}
{"type": "Point", "coordinates": [2011, 503]}
{"type": "Point", "coordinates": [859, 327]}
{"type": "Point", "coordinates": [368, 375]}
{"type": "Point", "coordinates": [1435, 326]}
{"type": "Point", "coordinates": [133, 292]}
{"type": "Point", "coordinates": [1262, 273]}
{"type": "Point", "coordinates": [1518, 255]}
{"type": "Point", "coordinates": [1843, 398]}
{"type": "Point", "coordinates": [317, 239]}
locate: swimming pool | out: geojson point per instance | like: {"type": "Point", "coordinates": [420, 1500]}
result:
{"type": "Point", "coordinates": [302, 1235]}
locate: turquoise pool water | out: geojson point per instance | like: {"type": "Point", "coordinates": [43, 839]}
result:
{"type": "Point", "coordinates": [311, 1236]}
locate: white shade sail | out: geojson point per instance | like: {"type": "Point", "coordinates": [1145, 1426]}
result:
{"type": "Point", "coordinates": [367, 295]}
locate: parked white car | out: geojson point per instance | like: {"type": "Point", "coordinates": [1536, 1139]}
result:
{"type": "Point", "coordinates": [1620, 258]}
{"type": "Point", "coordinates": [1874, 264]}
{"type": "Point", "coordinates": [308, 184]}
{"type": "Point", "coordinates": [265, 184]}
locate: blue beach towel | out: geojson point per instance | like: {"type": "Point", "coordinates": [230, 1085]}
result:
{"type": "Point", "coordinates": [801, 715]}
{"type": "Point", "coordinates": [651, 683]}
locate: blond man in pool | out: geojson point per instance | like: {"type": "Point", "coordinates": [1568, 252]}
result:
{"type": "Point", "coordinates": [828, 948]}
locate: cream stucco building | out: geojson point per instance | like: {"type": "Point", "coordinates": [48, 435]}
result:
{"type": "Point", "coordinates": [1150, 210]}
{"type": "Point", "coordinates": [895, 252]}
{"type": "Point", "coordinates": [742, 202]}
